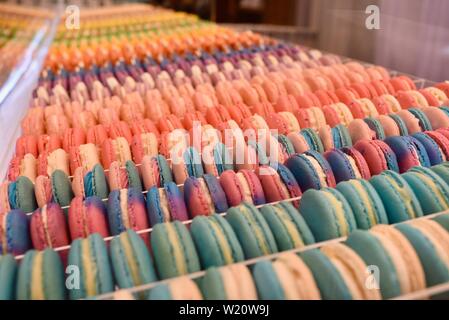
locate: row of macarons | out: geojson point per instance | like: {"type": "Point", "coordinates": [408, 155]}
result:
{"type": "Point", "coordinates": [260, 148]}
{"type": "Point", "coordinates": [330, 209]}
{"type": "Point", "coordinates": [409, 256]}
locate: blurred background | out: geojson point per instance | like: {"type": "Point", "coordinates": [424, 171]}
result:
{"type": "Point", "coordinates": [413, 35]}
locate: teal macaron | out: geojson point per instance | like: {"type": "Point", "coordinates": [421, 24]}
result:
{"type": "Point", "coordinates": [429, 241]}
{"type": "Point", "coordinates": [133, 175]}
{"type": "Point", "coordinates": [233, 282]}
{"type": "Point", "coordinates": [403, 131]}
{"type": "Point", "coordinates": [431, 191]}
{"type": "Point", "coordinates": [173, 249]}
{"type": "Point", "coordinates": [313, 139]}
{"type": "Point", "coordinates": [287, 225]}
{"type": "Point", "coordinates": [41, 276]}
{"type": "Point", "coordinates": [443, 220]}
{"type": "Point", "coordinates": [327, 213]}
{"type": "Point", "coordinates": [286, 144]}
{"type": "Point", "coordinates": [182, 288]}
{"type": "Point", "coordinates": [131, 261]}
{"type": "Point", "coordinates": [424, 122]}
{"type": "Point", "coordinates": [95, 183]}
{"type": "Point", "coordinates": [252, 230]}
{"type": "Point", "coordinates": [376, 126]}
{"type": "Point", "coordinates": [21, 195]}
{"type": "Point", "coordinates": [399, 200]}
{"type": "Point", "coordinates": [365, 203]}
{"type": "Point", "coordinates": [341, 136]}
{"type": "Point", "coordinates": [371, 250]}
{"type": "Point", "coordinates": [442, 170]}
{"type": "Point", "coordinates": [8, 275]}
{"type": "Point", "coordinates": [61, 188]}
{"type": "Point", "coordinates": [327, 277]}
{"type": "Point", "coordinates": [215, 240]}
{"type": "Point", "coordinates": [90, 257]}
{"type": "Point", "coordinates": [267, 282]}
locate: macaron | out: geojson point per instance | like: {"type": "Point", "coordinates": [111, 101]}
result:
{"type": "Point", "coordinates": [409, 152]}
{"type": "Point", "coordinates": [131, 261]}
{"type": "Point", "coordinates": [166, 204]}
{"type": "Point", "coordinates": [173, 250]}
{"type": "Point", "coordinates": [155, 171]}
{"type": "Point", "coordinates": [360, 130]}
{"type": "Point", "coordinates": [378, 155]}
{"type": "Point", "coordinates": [313, 140]}
{"type": "Point", "coordinates": [442, 142]}
{"type": "Point", "coordinates": [126, 210]}
{"type": "Point", "coordinates": [90, 256]}
{"type": "Point", "coordinates": [182, 288]}
{"type": "Point", "coordinates": [442, 170]}
{"type": "Point", "coordinates": [14, 231]}
{"type": "Point", "coordinates": [341, 136]}
{"type": "Point", "coordinates": [376, 126]}
{"type": "Point", "coordinates": [347, 163]}
{"type": "Point", "coordinates": [399, 269]}
{"type": "Point", "coordinates": [429, 239]}
{"type": "Point", "coordinates": [437, 117]}
{"type": "Point", "coordinates": [333, 275]}
{"type": "Point", "coordinates": [21, 195]}
{"type": "Point", "coordinates": [41, 276]}
{"type": "Point", "coordinates": [24, 166]}
{"type": "Point", "coordinates": [431, 190]}
{"type": "Point", "coordinates": [423, 121]}
{"type": "Point", "coordinates": [216, 159]}
{"type": "Point", "coordinates": [55, 160]}
{"type": "Point", "coordinates": [311, 170]}
{"type": "Point", "coordinates": [144, 144]}
{"type": "Point", "coordinates": [8, 277]}
{"type": "Point", "coordinates": [433, 149]}
{"type": "Point", "coordinates": [122, 177]}
{"type": "Point", "coordinates": [232, 282]}
{"type": "Point", "coordinates": [240, 186]}
{"type": "Point", "coordinates": [278, 183]}
{"type": "Point", "coordinates": [286, 278]}
{"type": "Point", "coordinates": [87, 156]}
{"type": "Point", "coordinates": [204, 196]}
{"type": "Point", "coordinates": [399, 200]}
{"type": "Point", "coordinates": [403, 129]}
{"type": "Point", "coordinates": [48, 227]}
{"type": "Point", "coordinates": [365, 203]}
{"type": "Point", "coordinates": [327, 213]}
{"type": "Point", "coordinates": [216, 241]}
{"type": "Point", "coordinates": [61, 188]}
{"type": "Point", "coordinates": [189, 165]}
{"type": "Point", "coordinates": [287, 225]}
{"type": "Point", "coordinates": [87, 216]}
{"type": "Point", "coordinates": [95, 183]}
{"type": "Point", "coordinates": [114, 150]}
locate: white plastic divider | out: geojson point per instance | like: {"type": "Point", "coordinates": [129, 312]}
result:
{"type": "Point", "coordinates": [195, 275]}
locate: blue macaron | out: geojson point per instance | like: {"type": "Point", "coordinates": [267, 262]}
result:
{"type": "Point", "coordinates": [311, 170]}
{"type": "Point", "coordinates": [433, 150]}
{"type": "Point", "coordinates": [409, 152]}
{"type": "Point", "coordinates": [341, 136]}
{"type": "Point", "coordinates": [165, 204]}
{"type": "Point", "coordinates": [16, 236]}
{"type": "Point", "coordinates": [95, 183]}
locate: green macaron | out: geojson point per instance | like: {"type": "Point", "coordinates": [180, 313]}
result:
{"type": "Point", "coordinates": [267, 282]}
{"type": "Point", "coordinates": [95, 183]}
{"type": "Point", "coordinates": [399, 200]}
{"type": "Point", "coordinates": [133, 176]}
{"type": "Point", "coordinates": [90, 257]}
{"type": "Point", "coordinates": [61, 188]}
{"type": "Point", "coordinates": [215, 241]}
{"type": "Point", "coordinates": [21, 195]}
{"type": "Point", "coordinates": [371, 250]}
{"type": "Point", "coordinates": [443, 220]}
{"type": "Point", "coordinates": [8, 276]}
{"type": "Point", "coordinates": [442, 170]}
{"type": "Point", "coordinates": [173, 249]}
{"type": "Point", "coordinates": [41, 276]}
{"type": "Point", "coordinates": [252, 230]}
{"type": "Point", "coordinates": [287, 225]}
{"type": "Point", "coordinates": [131, 261]}
{"type": "Point", "coordinates": [365, 203]}
{"type": "Point", "coordinates": [327, 213]}
{"type": "Point", "coordinates": [431, 191]}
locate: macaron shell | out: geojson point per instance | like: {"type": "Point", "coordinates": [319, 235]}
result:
{"type": "Point", "coordinates": [267, 282]}
{"type": "Point", "coordinates": [8, 276]}
{"type": "Point", "coordinates": [15, 235]}
{"type": "Point", "coordinates": [61, 188]}
{"type": "Point", "coordinates": [378, 155]}
{"type": "Point", "coordinates": [432, 148]}
{"type": "Point", "coordinates": [87, 215]}
{"type": "Point", "coordinates": [409, 152]}
{"type": "Point", "coordinates": [398, 198]}
{"type": "Point", "coordinates": [95, 183]}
